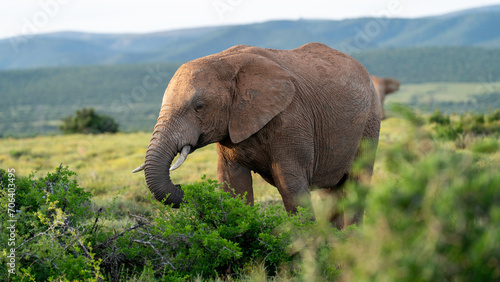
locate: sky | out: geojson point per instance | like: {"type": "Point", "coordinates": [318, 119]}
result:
{"type": "Point", "coordinates": [27, 17]}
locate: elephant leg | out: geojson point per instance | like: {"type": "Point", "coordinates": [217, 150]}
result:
{"type": "Point", "coordinates": [337, 218]}
{"type": "Point", "coordinates": [235, 178]}
{"type": "Point", "coordinates": [382, 107]}
{"type": "Point", "coordinates": [365, 160]}
{"type": "Point", "coordinates": [293, 188]}
{"type": "Point", "coordinates": [332, 196]}
{"type": "Point", "coordinates": [342, 219]}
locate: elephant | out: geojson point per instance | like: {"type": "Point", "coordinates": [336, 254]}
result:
{"type": "Point", "coordinates": [297, 118]}
{"type": "Point", "coordinates": [385, 86]}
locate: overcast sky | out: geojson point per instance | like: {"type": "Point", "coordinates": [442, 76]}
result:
{"type": "Point", "coordinates": [18, 17]}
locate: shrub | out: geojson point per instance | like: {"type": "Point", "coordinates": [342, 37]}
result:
{"type": "Point", "coordinates": [494, 116]}
{"type": "Point", "coordinates": [467, 126]}
{"type": "Point", "coordinates": [485, 145]}
{"type": "Point", "coordinates": [434, 218]}
{"type": "Point", "coordinates": [214, 234]}
{"type": "Point", "coordinates": [439, 222]}
{"type": "Point", "coordinates": [59, 235]}
{"type": "Point", "coordinates": [439, 118]}
{"type": "Point", "coordinates": [17, 153]}
{"type": "Point", "coordinates": [88, 121]}
{"type": "Point", "coordinates": [50, 214]}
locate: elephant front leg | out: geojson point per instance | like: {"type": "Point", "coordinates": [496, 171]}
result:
{"type": "Point", "coordinates": [235, 178]}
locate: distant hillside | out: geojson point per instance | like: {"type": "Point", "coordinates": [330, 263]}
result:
{"type": "Point", "coordinates": [478, 27]}
{"type": "Point", "coordinates": [434, 64]}
{"type": "Point", "coordinates": [34, 101]}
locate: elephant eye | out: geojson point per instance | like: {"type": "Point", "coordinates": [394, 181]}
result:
{"type": "Point", "coordinates": [198, 106]}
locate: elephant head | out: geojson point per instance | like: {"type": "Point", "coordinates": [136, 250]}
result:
{"type": "Point", "coordinates": [227, 96]}
{"type": "Point", "coordinates": [385, 86]}
{"type": "Point", "coordinates": [391, 85]}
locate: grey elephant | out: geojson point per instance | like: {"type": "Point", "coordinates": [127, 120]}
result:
{"type": "Point", "coordinates": [385, 86]}
{"type": "Point", "coordinates": [296, 117]}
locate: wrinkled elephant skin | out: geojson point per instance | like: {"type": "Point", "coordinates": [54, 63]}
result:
{"type": "Point", "coordinates": [296, 117]}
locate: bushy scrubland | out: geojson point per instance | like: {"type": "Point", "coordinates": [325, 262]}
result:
{"type": "Point", "coordinates": [432, 213]}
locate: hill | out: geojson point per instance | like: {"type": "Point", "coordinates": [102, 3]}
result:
{"type": "Point", "coordinates": [467, 28]}
{"type": "Point", "coordinates": [478, 10]}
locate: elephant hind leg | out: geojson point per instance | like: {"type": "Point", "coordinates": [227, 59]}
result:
{"type": "Point", "coordinates": [336, 194]}
{"type": "Point", "coordinates": [361, 172]}
{"type": "Point", "coordinates": [362, 168]}
{"type": "Point", "coordinates": [364, 161]}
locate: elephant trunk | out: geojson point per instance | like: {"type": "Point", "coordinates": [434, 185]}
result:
{"type": "Point", "coordinates": [159, 157]}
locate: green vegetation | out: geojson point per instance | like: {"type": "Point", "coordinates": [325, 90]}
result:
{"type": "Point", "coordinates": [60, 235]}
{"type": "Point", "coordinates": [436, 219]}
{"type": "Point", "coordinates": [465, 127]}
{"type": "Point", "coordinates": [431, 213]}
{"type": "Point", "coordinates": [51, 228]}
{"type": "Point", "coordinates": [88, 121]}
{"type": "Point", "coordinates": [104, 164]}
{"type": "Point", "coordinates": [216, 235]}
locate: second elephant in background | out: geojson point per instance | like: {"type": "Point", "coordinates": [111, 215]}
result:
{"type": "Point", "coordinates": [385, 86]}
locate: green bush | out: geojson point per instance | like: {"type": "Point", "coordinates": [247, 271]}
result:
{"type": "Point", "coordinates": [438, 221]}
{"type": "Point", "coordinates": [468, 125]}
{"type": "Point", "coordinates": [486, 145]}
{"type": "Point", "coordinates": [88, 121]}
{"type": "Point", "coordinates": [214, 234]}
{"type": "Point", "coordinates": [435, 217]}
{"type": "Point", "coordinates": [50, 213]}
{"type": "Point", "coordinates": [59, 235]}
{"type": "Point", "coordinates": [439, 118]}
{"type": "Point", "coordinates": [494, 116]}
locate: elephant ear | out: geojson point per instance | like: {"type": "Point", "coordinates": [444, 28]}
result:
{"type": "Point", "coordinates": [391, 85]}
{"type": "Point", "coordinates": [262, 90]}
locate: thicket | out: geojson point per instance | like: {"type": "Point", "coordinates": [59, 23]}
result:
{"type": "Point", "coordinates": [435, 216]}
{"type": "Point", "coordinates": [51, 228]}
{"type": "Point", "coordinates": [432, 215]}
{"type": "Point", "coordinates": [87, 121]}
{"type": "Point", "coordinates": [466, 128]}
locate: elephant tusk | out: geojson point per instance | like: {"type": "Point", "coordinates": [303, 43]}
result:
{"type": "Point", "coordinates": [140, 168]}
{"type": "Point", "coordinates": [185, 151]}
